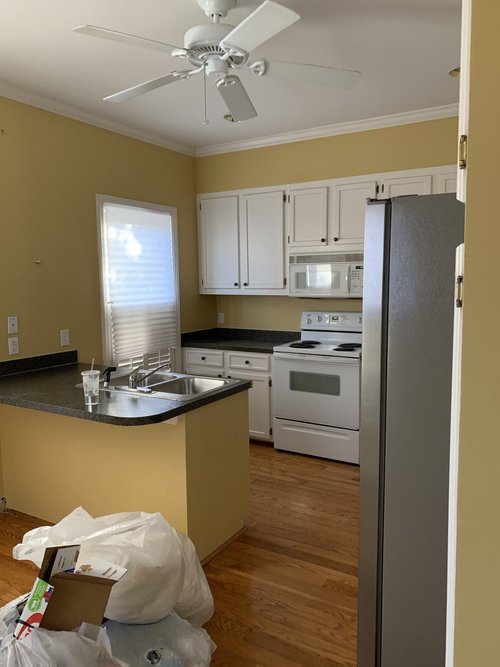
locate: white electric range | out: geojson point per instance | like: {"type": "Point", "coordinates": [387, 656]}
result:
{"type": "Point", "coordinates": [316, 387]}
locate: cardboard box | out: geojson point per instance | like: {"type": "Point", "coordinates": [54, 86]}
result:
{"type": "Point", "coordinates": [64, 596]}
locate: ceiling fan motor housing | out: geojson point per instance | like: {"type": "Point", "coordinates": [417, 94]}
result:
{"type": "Point", "coordinates": [202, 45]}
{"type": "Point", "coordinates": [206, 35]}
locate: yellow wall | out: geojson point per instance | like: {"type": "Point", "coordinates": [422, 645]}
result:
{"type": "Point", "coordinates": [478, 555]}
{"type": "Point", "coordinates": [428, 144]}
{"type": "Point", "coordinates": [51, 168]}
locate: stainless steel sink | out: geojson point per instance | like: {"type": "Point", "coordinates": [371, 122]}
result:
{"type": "Point", "coordinates": [178, 388]}
{"type": "Point", "coordinates": [155, 378]}
{"type": "Point", "coordinates": [192, 385]}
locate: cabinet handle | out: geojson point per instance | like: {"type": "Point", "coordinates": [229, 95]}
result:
{"type": "Point", "coordinates": [235, 284]}
{"type": "Point", "coordinates": [247, 362]}
{"type": "Point", "coordinates": [203, 358]}
{"type": "Point", "coordinates": [323, 240]}
{"type": "Point", "coordinates": [245, 284]}
{"type": "Point", "coordinates": [335, 238]}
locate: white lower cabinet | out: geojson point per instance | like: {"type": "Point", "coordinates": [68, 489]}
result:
{"type": "Point", "coordinates": [240, 366]}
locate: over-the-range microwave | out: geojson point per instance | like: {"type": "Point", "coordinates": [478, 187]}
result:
{"type": "Point", "coordinates": [326, 276]}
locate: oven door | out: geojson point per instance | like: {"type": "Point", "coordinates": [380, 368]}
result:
{"type": "Point", "coordinates": [316, 389]}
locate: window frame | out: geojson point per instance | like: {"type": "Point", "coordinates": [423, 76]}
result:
{"type": "Point", "coordinates": [106, 331]}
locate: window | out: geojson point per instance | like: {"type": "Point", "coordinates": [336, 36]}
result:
{"type": "Point", "coordinates": [139, 282]}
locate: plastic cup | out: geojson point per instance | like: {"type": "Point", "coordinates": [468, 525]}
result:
{"type": "Point", "coordinates": [90, 381]}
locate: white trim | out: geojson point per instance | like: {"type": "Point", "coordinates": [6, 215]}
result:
{"type": "Point", "coordinates": [68, 111]}
{"type": "Point", "coordinates": [379, 122]}
{"type": "Point", "coordinates": [453, 477]}
{"type": "Point", "coordinates": [433, 113]}
{"type": "Point", "coordinates": [101, 200]}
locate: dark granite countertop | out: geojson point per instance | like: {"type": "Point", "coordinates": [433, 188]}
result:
{"type": "Point", "coordinates": [240, 340]}
{"type": "Point", "coordinates": [54, 390]}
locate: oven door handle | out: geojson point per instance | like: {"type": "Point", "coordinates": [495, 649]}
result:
{"type": "Point", "coordinates": [333, 359]}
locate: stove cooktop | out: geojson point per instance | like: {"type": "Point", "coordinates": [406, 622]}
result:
{"type": "Point", "coordinates": [328, 334]}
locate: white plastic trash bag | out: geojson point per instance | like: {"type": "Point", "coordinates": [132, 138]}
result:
{"type": "Point", "coordinates": [195, 602]}
{"type": "Point", "coordinates": [152, 551]}
{"type": "Point", "coordinates": [47, 648]}
{"type": "Point", "coordinates": [172, 642]}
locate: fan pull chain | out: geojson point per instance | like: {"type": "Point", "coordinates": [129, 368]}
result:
{"type": "Point", "coordinates": [205, 120]}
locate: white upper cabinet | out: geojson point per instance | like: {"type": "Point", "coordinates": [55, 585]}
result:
{"type": "Point", "coordinates": [219, 243]}
{"type": "Point", "coordinates": [262, 249]}
{"type": "Point", "coordinates": [242, 234]}
{"type": "Point", "coordinates": [397, 186]}
{"type": "Point", "coordinates": [446, 181]}
{"type": "Point", "coordinates": [348, 212]}
{"type": "Point", "coordinates": [308, 211]}
{"type": "Point", "coordinates": [242, 243]}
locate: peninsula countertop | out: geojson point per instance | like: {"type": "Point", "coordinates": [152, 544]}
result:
{"type": "Point", "coordinates": [54, 389]}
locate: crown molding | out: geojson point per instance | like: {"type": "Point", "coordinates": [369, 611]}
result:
{"type": "Point", "coordinates": [377, 123]}
{"type": "Point", "coordinates": [48, 104]}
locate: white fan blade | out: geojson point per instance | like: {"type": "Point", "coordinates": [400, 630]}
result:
{"type": "Point", "coordinates": [265, 22]}
{"type": "Point", "coordinates": [123, 37]}
{"type": "Point", "coordinates": [236, 98]}
{"type": "Point", "coordinates": [315, 74]}
{"type": "Point", "coordinates": [145, 87]}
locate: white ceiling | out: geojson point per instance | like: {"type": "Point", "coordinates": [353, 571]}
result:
{"type": "Point", "coordinates": [404, 49]}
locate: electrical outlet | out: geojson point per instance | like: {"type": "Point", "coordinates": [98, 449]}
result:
{"type": "Point", "coordinates": [64, 335]}
{"type": "Point", "coordinates": [12, 324]}
{"type": "Point", "coordinates": [13, 345]}
{"type": "Point", "coordinates": [220, 318]}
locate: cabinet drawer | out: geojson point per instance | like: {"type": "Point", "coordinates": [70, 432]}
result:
{"type": "Point", "coordinates": [199, 357]}
{"type": "Point", "coordinates": [254, 362]}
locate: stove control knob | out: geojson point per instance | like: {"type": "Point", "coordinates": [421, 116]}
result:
{"type": "Point", "coordinates": [309, 320]}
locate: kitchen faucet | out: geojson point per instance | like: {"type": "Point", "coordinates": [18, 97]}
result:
{"type": "Point", "coordinates": [132, 378]}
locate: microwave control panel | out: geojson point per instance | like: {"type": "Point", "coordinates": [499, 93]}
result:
{"type": "Point", "coordinates": [356, 280]}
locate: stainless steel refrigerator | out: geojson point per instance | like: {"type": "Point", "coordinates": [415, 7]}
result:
{"type": "Point", "coordinates": [408, 304]}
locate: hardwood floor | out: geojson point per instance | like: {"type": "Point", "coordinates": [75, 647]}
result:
{"type": "Point", "coordinates": [286, 589]}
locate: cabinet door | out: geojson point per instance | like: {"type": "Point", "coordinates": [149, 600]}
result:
{"type": "Point", "coordinates": [308, 216]}
{"type": "Point", "coordinates": [219, 244]}
{"type": "Point", "coordinates": [405, 185]}
{"type": "Point", "coordinates": [262, 241]}
{"type": "Point", "coordinates": [348, 219]}
{"type": "Point", "coordinates": [259, 402]}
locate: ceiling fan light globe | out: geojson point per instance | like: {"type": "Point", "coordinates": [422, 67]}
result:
{"type": "Point", "coordinates": [215, 66]}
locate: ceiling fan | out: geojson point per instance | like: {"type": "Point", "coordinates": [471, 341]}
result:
{"type": "Point", "coordinates": [216, 49]}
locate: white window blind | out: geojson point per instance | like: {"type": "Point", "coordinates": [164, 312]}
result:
{"type": "Point", "coordinates": [139, 282]}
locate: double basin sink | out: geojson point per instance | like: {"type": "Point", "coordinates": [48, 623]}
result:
{"type": "Point", "coordinates": [170, 386]}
